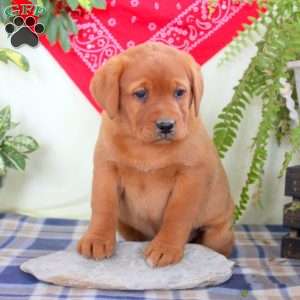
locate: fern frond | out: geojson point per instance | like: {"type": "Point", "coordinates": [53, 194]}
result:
{"type": "Point", "coordinates": [288, 156]}
{"type": "Point", "coordinates": [259, 158]}
{"type": "Point", "coordinates": [269, 12]}
{"type": "Point", "coordinates": [251, 85]}
{"type": "Point", "coordinates": [250, 33]}
{"type": "Point", "coordinates": [279, 44]}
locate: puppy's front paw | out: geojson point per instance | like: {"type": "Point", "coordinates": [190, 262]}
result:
{"type": "Point", "coordinates": [95, 246]}
{"type": "Point", "coordinates": [159, 254]}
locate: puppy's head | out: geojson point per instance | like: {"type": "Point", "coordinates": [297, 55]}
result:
{"type": "Point", "coordinates": [153, 89]}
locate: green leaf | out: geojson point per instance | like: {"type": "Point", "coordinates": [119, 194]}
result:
{"type": "Point", "coordinates": [86, 4]}
{"type": "Point", "coordinates": [8, 163]}
{"type": "Point", "coordinates": [101, 4]}
{"type": "Point", "coordinates": [38, 2]}
{"type": "Point", "coordinates": [15, 57]}
{"type": "Point", "coordinates": [52, 30]}
{"type": "Point", "coordinates": [3, 5]}
{"type": "Point", "coordinates": [3, 58]}
{"type": "Point", "coordinates": [73, 4]}
{"type": "Point", "coordinates": [47, 16]}
{"type": "Point", "coordinates": [15, 159]}
{"type": "Point", "coordinates": [2, 166]}
{"type": "Point", "coordinates": [288, 156]}
{"type": "Point", "coordinates": [69, 23]}
{"type": "Point", "coordinates": [295, 137]}
{"type": "Point", "coordinates": [72, 26]}
{"type": "Point", "coordinates": [64, 38]}
{"type": "Point", "coordinates": [5, 117]}
{"type": "Point", "coordinates": [22, 143]}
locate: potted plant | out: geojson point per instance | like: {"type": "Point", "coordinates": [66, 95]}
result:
{"type": "Point", "coordinates": [269, 78]}
{"type": "Point", "coordinates": [14, 149]}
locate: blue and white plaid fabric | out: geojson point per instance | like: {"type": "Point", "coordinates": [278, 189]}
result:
{"type": "Point", "coordinates": [259, 272]}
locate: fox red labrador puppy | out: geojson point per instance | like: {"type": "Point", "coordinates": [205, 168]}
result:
{"type": "Point", "coordinates": [157, 175]}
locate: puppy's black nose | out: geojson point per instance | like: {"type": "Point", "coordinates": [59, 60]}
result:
{"type": "Point", "coordinates": [165, 125]}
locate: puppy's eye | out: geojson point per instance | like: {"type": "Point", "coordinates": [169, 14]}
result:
{"type": "Point", "coordinates": [179, 92]}
{"type": "Point", "coordinates": [141, 94]}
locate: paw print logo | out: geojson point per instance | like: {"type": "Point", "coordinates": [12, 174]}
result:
{"type": "Point", "coordinates": [24, 32]}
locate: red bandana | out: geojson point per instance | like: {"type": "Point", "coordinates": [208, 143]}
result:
{"type": "Point", "coordinates": [185, 24]}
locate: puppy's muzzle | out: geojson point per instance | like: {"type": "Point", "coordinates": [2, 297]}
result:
{"type": "Point", "coordinates": [165, 127]}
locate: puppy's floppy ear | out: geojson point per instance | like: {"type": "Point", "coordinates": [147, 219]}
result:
{"type": "Point", "coordinates": [105, 85]}
{"type": "Point", "coordinates": [197, 85]}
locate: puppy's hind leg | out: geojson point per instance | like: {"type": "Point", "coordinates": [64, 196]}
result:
{"type": "Point", "coordinates": [219, 238]}
{"type": "Point", "coordinates": [129, 233]}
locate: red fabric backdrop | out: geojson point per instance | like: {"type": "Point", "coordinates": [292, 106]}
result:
{"type": "Point", "coordinates": [184, 24]}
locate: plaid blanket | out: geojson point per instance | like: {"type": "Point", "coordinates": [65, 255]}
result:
{"type": "Point", "coordinates": [259, 272]}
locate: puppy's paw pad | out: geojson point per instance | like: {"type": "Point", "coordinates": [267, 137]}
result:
{"type": "Point", "coordinates": [159, 255]}
{"type": "Point", "coordinates": [95, 247]}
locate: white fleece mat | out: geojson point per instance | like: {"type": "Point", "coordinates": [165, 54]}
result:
{"type": "Point", "coordinates": [127, 269]}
